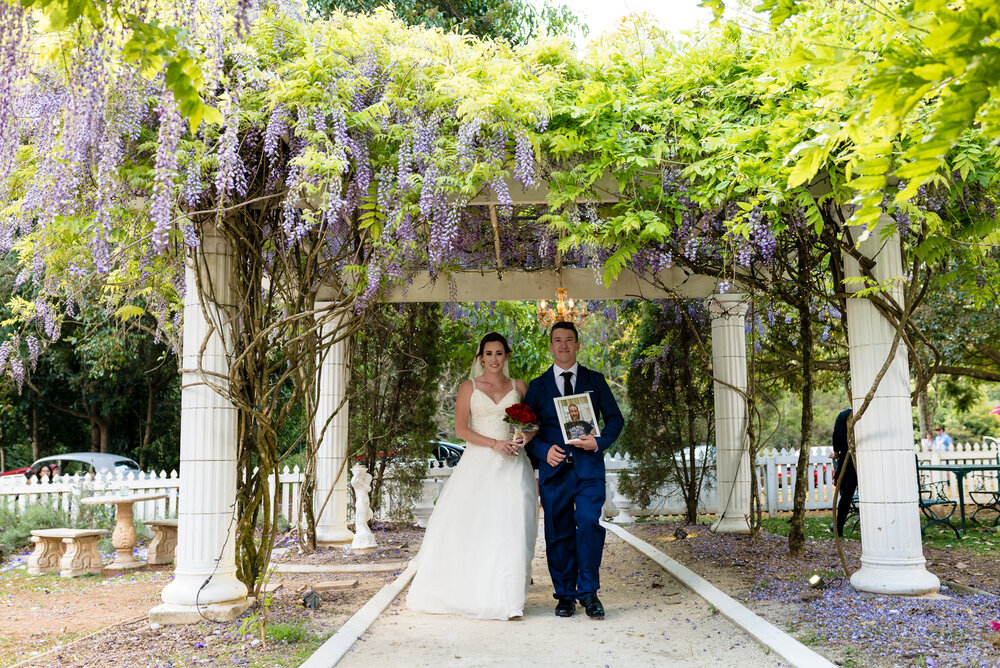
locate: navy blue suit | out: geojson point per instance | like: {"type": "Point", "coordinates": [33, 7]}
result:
{"type": "Point", "coordinates": [573, 494]}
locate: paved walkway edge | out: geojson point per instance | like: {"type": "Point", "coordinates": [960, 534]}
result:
{"type": "Point", "coordinates": [337, 568]}
{"type": "Point", "coordinates": [336, 646]}
{"type": "Point", "coordinates": [765, 633]}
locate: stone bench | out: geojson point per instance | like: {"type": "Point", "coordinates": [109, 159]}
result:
{"type": "Point", "coordinates": [161, 550]}
{"type": "Point", "coordinates": [72, 552]}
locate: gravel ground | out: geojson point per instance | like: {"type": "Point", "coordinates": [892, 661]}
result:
{"type": "Point", "coordinates": [651, 621]}
{"type": "Point", "coordinates": [103, 621]}
{"type": "Point", "coordinates": [847, 626]}
{"type": "Point", "coordinates": [395, 543]}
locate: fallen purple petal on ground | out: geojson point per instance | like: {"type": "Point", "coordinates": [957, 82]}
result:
{"type": "Point", "coordinates": [879, 626]}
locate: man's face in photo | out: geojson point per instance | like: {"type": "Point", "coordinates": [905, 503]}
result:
{"type": "Point", "coordinates": [574, 412]}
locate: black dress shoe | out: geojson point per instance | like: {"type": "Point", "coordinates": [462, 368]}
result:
{"type": "Point", "coordinates": [593, 606]}
{"type": "Point", "coordinates": [566, 607]}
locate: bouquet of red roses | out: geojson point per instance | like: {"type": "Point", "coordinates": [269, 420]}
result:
{"type": "Point", "coordinates": [521, 417]}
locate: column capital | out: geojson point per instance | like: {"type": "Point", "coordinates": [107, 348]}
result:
{"type": "Point", "coordinates": [733, 305]}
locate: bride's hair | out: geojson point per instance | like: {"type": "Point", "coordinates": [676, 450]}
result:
{"type": "Point", "coordinates": [491, 337]}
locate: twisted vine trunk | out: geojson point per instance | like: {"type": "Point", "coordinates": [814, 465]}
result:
{"type": "Point", "coordinates": [691, 399]}
{"type": "Point", "coordinates": [796, 534]}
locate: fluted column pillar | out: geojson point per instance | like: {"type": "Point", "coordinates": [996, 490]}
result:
{"type": "Point", "coordinates": [206, 506]}
{"type": "Point", "coordinates": [729, 366]}
{"type": "Point", "coordinates": [331, 434]}
{"type": "Point", "coordinates": [892, 560]}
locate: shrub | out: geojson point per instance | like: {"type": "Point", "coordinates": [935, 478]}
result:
{"type": "Point", "coordinates": [17, 535]}
{"type": "Point", "coordinates": [17, 525]}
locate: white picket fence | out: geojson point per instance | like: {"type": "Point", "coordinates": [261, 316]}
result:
{"type": "Point", "coordinates": [776, 470]}
{"type": "Point", "coordinates": [17, 493]}
{"type": "Point", "coordinates": [986, 451]}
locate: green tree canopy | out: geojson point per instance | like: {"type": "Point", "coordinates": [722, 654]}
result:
{"type": "Point", "coordinates": [513, 20]}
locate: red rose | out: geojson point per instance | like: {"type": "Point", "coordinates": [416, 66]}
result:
{"type": "Point", "coordinates": [521, 414]}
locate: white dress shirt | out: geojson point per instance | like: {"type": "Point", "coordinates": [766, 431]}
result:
{"type": "Point", "coordinates": [559, 379]}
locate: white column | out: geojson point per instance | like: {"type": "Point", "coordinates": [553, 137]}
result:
{"type": "Point", "coordinates": [331, 524]}
{"type": "Point", "coordinates": [892, 560]}
{"type": "Point", "coordinates": [206, 530]}
{"type": "Point", "coordinates": [729, 365]}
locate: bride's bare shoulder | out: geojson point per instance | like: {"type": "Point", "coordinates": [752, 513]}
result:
{"type": "Point", "coordinates": [521, 386]}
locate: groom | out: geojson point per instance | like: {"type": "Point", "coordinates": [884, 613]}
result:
{"type": "Point", "coordinates": [571, 476]}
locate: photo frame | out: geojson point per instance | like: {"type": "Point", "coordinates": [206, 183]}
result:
{"type": "Point", "coordinates": [583, 422]}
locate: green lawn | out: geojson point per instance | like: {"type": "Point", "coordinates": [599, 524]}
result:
{"type": "Point", "coordinates": [980, 538]}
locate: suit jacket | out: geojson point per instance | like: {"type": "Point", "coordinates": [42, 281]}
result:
{"type": "Point", "coordinates": [840, 433]}
{"type": "Point", "coordinates": [541, 392]}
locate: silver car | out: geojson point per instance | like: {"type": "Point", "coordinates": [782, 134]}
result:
{"type": "Point", "coordinates": [87, 462]}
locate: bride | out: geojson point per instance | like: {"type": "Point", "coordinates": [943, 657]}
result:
{"type": "Point", "coordinates": [475, 559]}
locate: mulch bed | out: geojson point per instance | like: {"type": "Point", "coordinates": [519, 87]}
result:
{"type": "Point", "coordinates": [847, 626]}
{"type": "Point", "coordinates": [291, 631]}
{"type": "Point", "coordinates": [396, 542]}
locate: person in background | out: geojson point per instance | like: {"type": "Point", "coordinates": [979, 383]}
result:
{"type": "Point", "coordinates": [849, 484]}
{"type": "Point", "coordinates": [927, 441]}
{"type": "Point", "coordinates": [942, 441]}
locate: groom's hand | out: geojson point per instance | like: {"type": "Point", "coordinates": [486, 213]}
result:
{"type": "Point", "coordinates": [555, 456]}
{"type": "Point", "coordinates": [586, 442]}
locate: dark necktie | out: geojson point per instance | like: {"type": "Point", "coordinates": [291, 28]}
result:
{"type": "Point", "coordinates": [567, 385]}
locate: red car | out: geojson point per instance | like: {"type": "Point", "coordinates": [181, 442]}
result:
{"type": "Point", "coordinates": [20, 471]}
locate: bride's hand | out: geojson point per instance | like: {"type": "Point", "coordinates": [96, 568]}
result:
{"type": "Point", "coordinates": [506, 448]}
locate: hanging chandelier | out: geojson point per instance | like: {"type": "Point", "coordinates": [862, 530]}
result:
{"type": "Point", "coordinates": [563, 310]}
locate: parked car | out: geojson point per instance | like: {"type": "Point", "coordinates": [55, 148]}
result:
{"type": "Point", "coordinates": [87, 462]}
{"type": "Point", "coordinates": [447, 454]}
{"type": "Point", "coordinates": [20, 471]}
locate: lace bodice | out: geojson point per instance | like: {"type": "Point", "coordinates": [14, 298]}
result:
{"type": "Point", "coordinates": [486, 416]}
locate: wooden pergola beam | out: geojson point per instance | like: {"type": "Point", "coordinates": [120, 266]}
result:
{"type": "Point", "coordinates": [513, 285]}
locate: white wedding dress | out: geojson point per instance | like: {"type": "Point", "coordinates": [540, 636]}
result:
{"type": "Point", "coordinates": [475, 559]}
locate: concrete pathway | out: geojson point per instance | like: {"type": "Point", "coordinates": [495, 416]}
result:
{"type": "Point", "coordinates": [652, 620]}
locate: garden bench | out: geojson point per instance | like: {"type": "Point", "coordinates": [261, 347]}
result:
{"type": "Point", "coordinates": [853, 515]}
{"type": "Point", "coordinates": [986, 499]}
{"type": "Point", "coordinates": [933, 495]}
{"type": "Point", "coordinates": [161, 550]}
{"type": "Point", "coordinates": [72, 552]}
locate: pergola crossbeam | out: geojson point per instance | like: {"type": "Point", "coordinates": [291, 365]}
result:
{"type": "Point", "coordinates": [489, 285]}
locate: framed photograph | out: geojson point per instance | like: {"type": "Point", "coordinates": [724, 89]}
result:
{"type": "Point", "coordinates": [576, 416]}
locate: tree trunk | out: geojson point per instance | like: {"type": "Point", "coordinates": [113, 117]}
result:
{"type": "Point", "coordinates": [924, 417]}
{"type": "Point", "coordinates": [35, 454]}
{"type": "Point", "coordinates": [694, 489]}
{"type": "Point", "coordinates": [95, 434]}
{"type": "Point", "coordinates": [147, 436]}
{"type": "Point", "coordinates": [796, 534]}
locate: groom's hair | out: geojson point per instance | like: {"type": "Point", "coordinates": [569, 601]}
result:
{"type": "Point", "coordinates": [563, 324]}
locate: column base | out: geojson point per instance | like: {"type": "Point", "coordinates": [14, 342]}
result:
{"type": "Point", "coordinates": [189, 589]}
{"type": "Point", "coordinates": [731, 525]}
{"type": "Point", "coordinates": [334, 536]}
{"type": "Point", "coordinates": [121, 563]}
{"type": "Point", "coordinates": [904, 577]}
{"type": "Point", "coordinates": [169, 613]}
